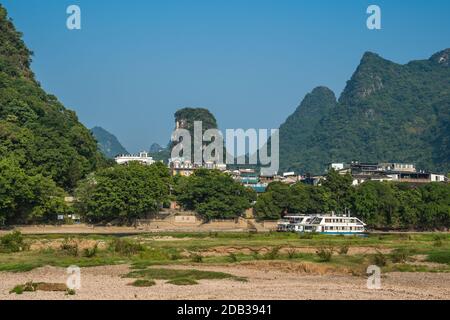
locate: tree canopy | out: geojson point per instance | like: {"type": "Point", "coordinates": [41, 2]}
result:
{"type": "Point", "coordinates": [213, 194]}
{"type": "Point", "coordinates": [44, 137]}
{"type": "Point", "coordinates": [124, 192]}
{"type": "Point", "coordinates": [28, 198]}
{"type": "Point", "coordinates": [379, 204]}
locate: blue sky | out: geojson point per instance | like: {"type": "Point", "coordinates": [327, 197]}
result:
{"type": "Point", "coordinates": [136, 62]}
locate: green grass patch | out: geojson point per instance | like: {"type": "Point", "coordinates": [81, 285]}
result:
{"type": "Point", "coordinates": [442, 256]}
{"type": "Point", "coordinates": [144, 250]}
{"type": "Point", "coordinates": [171, 274]}
{"type": "Point", "coordinates": [13, 242]}
{"type": "Point", "coordinates": [143, 283]}
{"type": "Point", "coordinates": [183, 282]}
{"type": "Point", "coordinates": [403, 267]}
{"type": "Point", "coordinates": [19, 267]}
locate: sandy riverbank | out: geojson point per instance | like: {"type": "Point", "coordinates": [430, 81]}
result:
{"type": "Point", "coordinates": [263, 283]}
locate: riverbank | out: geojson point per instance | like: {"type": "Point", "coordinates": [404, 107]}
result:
{"type": "Point", "coordinates": [262, 282]}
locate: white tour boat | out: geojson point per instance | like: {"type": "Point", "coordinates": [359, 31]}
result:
{"type": "Point", "coordinates": [323, 224]}
{"type": "Point", "coordinates": [292, 223]}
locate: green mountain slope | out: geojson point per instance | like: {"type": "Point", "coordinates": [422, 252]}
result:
{"type": "Point", "coordinates": [184, 119]}
{"type": "Point", "coordinates": [387, 112]}
{"type": "Point", "coordinates": [108, 144]}
{"type": "Point", "coordinates": [36, 129]}
{"type": "Point", "coordinates": [300, 127]}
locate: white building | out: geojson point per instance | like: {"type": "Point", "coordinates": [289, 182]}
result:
{"type": "Point", "coordinates": [438, 178]}
{"type": "Point", "coordinates": [337, 166]}
{"type": "Point", "coordinates": [142, 157]}
{"type": "Point", "coordinates": [398, 167]}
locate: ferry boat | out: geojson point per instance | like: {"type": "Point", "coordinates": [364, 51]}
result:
{"type": "Point", "coordinates": [293, 223]}
{"type": "Point", "coordinates": [335, 225]}
{"type": "Point", "coordinates": [323, 224]}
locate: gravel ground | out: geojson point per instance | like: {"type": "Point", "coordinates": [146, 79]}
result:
{"type": "Point", "coordinates": [106, 283]}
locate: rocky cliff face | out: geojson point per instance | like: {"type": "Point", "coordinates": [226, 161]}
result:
{"type": "Point", "coordinates": [387, 112]}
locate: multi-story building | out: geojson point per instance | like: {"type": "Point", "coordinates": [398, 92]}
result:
{"type": "Point", "coordinates": [400, 172]}
{"type": "Point", "coordinates": [142, 157]}
{"type": "Point", "coordinates": [250, 179]}
{"type": "Point", "coordinates": [181, 166]}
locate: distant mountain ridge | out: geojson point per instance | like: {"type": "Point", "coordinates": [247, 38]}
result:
{"type": "Point", "coordinates": [387, 112]}
{"type": "Point", "coordinates": [108, 144]}
{"type": "Point", "coordinates": [155, 148]}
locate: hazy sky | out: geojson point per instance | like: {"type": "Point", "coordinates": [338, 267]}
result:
{"type": "Point", "coordinates": [135, 62]}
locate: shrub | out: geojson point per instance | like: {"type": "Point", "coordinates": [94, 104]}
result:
{"type": "Point", "coordinates": [70, 292]}
{"type": "Point", "coordinates": [21, 288]}
{"type": "Point", "coordinates": [272, 254]}
{"type": "Point", "coordinates": [306, 235]}
{"type": "Point", "coordinates": [437, 243]}
{"type": "Point", "coordinates": [343, 250]}
{"type": "Point", "coordinates": [400, 255]}
{"type": "Point", "coordinates": [90, 252]}
{"type": "Point", "coordinates": [126, 247]}
{"type": "Point", "coordinates": [291, 253]}
{"type": "Point", "coordinates": [232, 257]}
{"type": "Point", "coordinates": [325, 254]}
{"type": "Point", "coordinates": [175, 255]}
{"type": "Point", "coordinates": [69, 247]}
{"type": "Point", "coordinates": [379, 259]}
{"type": "Point", "coordinates": [13, 242]}
{"type": "Point", "coordinates": [197, 258]}
{"type": "Point", "coordinates": [438, 240]}
{"type": "Point", "coordinates": [255, 254]}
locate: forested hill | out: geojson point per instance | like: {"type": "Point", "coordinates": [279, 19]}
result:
{"type": "Point", "coordinates": [387, 112]}
{"type": "Point", "coordinates": [184, 119]}
{"type": "Point", "coordinates": [108, 143]}
{"type": "Point", "coordinates": [36, 131]}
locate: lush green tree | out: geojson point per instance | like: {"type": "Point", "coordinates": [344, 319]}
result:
{"type": "Point", "coordinates": [281, 195]}
{"type": "Point", "coordinates": [391, 205]}
{"type": "Point", "coordinates": [340, 188]}
{"type": "Point", "coordinates": [25, 198]}
{"type": "Point", "coordinates": [319, 200]}
{"type": "Point", "coordinates": [365, 203]}
{"type": "Point", "coordinates": [299, 199]}
{"type": "Point", "coordinates": [124, 192]}
{"type": "Point", "coordinates": [213, 194]}
{"type": "Point", "coordinates": [376, 203]}
{"type": "Point", "coordinates": [435, 206]}
{"type": "Point", "coordinates": [409, 199]}
{"type": "Point", "coordinates": [266, 208]}
{"type": "Point", "coordinates": [281, 199]}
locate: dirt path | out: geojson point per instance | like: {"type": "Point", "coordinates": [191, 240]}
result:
{"type": "Point", "coordinates": [263, 283]}
{"type": "Point", "coordinates": [88, 229]}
